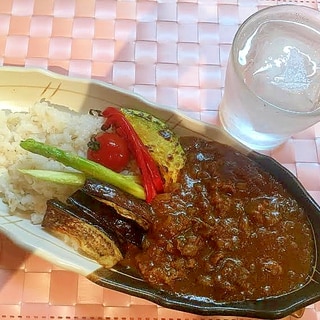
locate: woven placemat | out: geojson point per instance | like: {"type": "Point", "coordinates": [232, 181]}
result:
{"type": "Point", "coordinates": [172, 53]}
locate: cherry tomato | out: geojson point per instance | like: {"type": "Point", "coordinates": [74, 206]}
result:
{"type": "Point", "coordinates": [110, 150]}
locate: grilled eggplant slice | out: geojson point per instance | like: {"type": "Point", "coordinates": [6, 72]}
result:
{"type": "Point", "coordinates": [125, 204]}
{"type": "Point", "coordinates": [106, 217]}
{"type": "Point", "coordinates": [78, 231]}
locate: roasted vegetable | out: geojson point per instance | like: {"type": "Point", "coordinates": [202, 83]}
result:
{"type": "Point", "coordinates": [150, 175]}
{"type": "Point", "coordinates": [162, 143]}
{"type": "Point", "coordinates": [106, 217]}
{"type": "Point", "coordinates": [67, 178]}
{"type": "Point", "coordinates": [79, 232]}
{"type": "Point", "coordinates": [88, 167]}
{"type": "Point", "coordinates": [92, 228]}
{"type": "Point", "coordinates": [125, 204]}
{"type": "Point", "coordinates": [110, 150]}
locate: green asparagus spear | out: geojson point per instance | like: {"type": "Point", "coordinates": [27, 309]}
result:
{"type": "Point", "coordinates": [88, 167]}
{"type": "Point", "coordinates": [68, 178]}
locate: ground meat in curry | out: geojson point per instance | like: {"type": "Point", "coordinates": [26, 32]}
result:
{"type": "Point", "coordinates": [227, 230]}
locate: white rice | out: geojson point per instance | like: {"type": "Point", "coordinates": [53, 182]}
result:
{"type": "Point", "coordinates": [62, 128]}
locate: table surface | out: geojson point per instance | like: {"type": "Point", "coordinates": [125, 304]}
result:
{"type": "Point", "coordinates": [172, 53]}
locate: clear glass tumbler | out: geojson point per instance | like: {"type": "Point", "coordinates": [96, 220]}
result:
{"type": "Point", "coordinates": [272, 88]}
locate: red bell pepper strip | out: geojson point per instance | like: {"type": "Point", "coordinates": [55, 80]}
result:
{"type": "Point", "coordinates": [151, 177]}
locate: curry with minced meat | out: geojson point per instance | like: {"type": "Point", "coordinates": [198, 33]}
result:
{"type": "Point", "coordinates": [227, 230]}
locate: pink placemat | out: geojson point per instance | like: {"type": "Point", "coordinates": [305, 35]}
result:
{"type": "Point", "coordinates": [173, 53]}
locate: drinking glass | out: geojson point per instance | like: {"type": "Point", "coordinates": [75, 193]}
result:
{"type": "Point", "coordinates": [272, 88]}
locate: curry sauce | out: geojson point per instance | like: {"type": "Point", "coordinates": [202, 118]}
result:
{"type": "Point", "coordinates": [227, 230]}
